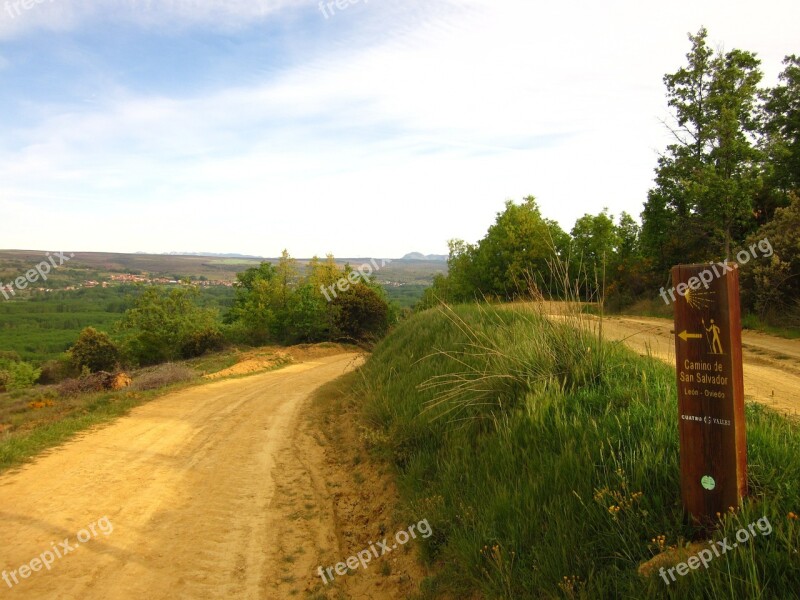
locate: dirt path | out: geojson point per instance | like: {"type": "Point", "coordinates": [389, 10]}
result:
{"type": "Point", "coordinates": [178, 499]}
{"type": "Point", "coordinates": [771, 364]}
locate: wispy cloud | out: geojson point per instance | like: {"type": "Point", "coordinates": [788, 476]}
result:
{"type": "Point", "coordinates": [252, 126]}
{"type": "Point", "coordinates": [68, 15]}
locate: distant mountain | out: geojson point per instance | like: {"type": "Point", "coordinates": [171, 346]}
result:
{"type": "Point", "coordinates": [409, 256]}
{"type": "Point", "coordinates": [420, 256]}
{"type": "Point", "coordinates": [211, 254]}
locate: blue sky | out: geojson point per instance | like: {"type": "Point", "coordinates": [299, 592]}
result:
{"type": "Point", "coordinates": [373, 130]}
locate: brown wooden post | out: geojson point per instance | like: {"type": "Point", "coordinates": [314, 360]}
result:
{"type": "Point", "coordinates": [708, 351]}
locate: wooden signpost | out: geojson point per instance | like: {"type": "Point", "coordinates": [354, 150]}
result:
{"type": "Point", "coordinates": [708, 350]}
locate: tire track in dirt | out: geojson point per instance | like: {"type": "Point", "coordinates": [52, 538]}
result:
{"type": "Point", "coordinates": [190, 484]}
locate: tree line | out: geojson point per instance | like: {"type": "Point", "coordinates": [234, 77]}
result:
{"type": "Point", "coordinates": [274, 304]}
{"type": "Point", "coordinates": [729, 177]}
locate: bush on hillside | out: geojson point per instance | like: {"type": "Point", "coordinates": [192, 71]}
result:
{"type": "Point", "coordinates": [362, 314]}
{"type": "Point", "coordinates": [87, 383]}
{"type": "Point", "coordinates": [17, 375]}
{"type": "Point", "coordinates": [57, 370]}
{"type": "Point", "coordinates": [162, 376]}
{"type": "Point", "coordinates": [95, 351]}
{"type": "Point", "coordinates": [771, 286]}
{"type": "Point", "coordinates": [198, 343]}
{"type": "Point", "coordinates": [166, 324]}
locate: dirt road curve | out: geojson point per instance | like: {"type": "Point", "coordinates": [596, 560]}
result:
{"type": "Point", "coordinates": [188, 484]}
{"type": "Point", "coordinates": [771, 364]}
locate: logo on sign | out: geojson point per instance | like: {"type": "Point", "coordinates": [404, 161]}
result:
{"type": "Point", "coordinates": [708, 482]}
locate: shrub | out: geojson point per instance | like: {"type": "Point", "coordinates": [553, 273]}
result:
{"type": "Point", "coordinates": [198, 343]}
{"type": "Point", "coordinates": [772, 285]}
{"type": "Point", "coordinates": [92, 382]}
{"type": "Point", "coordinates": [362, 313]}
{"type": "Point", "coordinates": [17, 375]}
{"type": "Point", "coordinates": [162, 376]}
{"type": "Point", "coordinates": [163, 323]}
{"type": "Point", "coordinates": [95, 350]}
{"type": "Point", "coordinates": [57, 370]}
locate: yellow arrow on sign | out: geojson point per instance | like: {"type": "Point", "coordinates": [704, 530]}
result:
{"type": "Point", "coordinates": [686, 336]}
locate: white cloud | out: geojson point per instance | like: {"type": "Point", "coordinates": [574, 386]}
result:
{"type": "Point", "coordinates": [377, 147]}
{"type": "Point", "coordinates": [66, 15]}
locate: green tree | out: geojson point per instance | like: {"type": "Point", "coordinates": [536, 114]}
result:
{"type": "Point", "coordinates": [463, 281]}
{"type": "Point", "coordinates": [162, 324]}
{"type": "Point", "coordinates": [731, 177]}
{"type": "Point", "coordinates": [252, 309]}
{"type": "Point", "coordinates": [595, 241]}
{"type": "Point", "coordinates": [286, 277]}
{"type": "Point", "coordinates": [629, 274]}
{"type": "Point", "coordinates": [707, 179]}
{"type": "Point", "coordinates": [362, 314]}
{"type": "Point", "coordinates": [276, 304]}
{"type": "Point", "coordinates": [771, 285]}
{"type": "Point", "coordinates": [310, 317]}
{"type": "Point", "coordinates": [628, 234]}
{"type": "Point", "coordinates": [440, 291]}
{"type": "Point", "coordinates": [517, 250]}
{"type": "Point", "coordinates": [283, 285]}
{"type": "Point", "coordinates": [781, 142]}
{"type": "Point", "coordinates": [322, 274]}
{"type": "Point", "coordinates": [247, 279]}
{"type": "Point", "coordinates": [17, 375]}
{"type": "Point", "coordinates": [94, 350]}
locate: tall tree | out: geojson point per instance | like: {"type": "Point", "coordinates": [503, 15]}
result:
{"type": "Point", "coordinates": [163, 322]}
{"type": "Point", "coordinates": [595, 241]}
{"type": "Point", "coordinates": [708, 177]}
{"type": "Point", "coordinates": [463, 280]}
{"type": "Point", "coordinates": [519, 247]}
{"type": "Point", "coordinates": [253, 307]}
{"type": "Point", "coordinates": [286, 278]}
{"type": "Point", "coordinates": [781, 116]}
{"type": "Point", "coordinates": [730, 178]}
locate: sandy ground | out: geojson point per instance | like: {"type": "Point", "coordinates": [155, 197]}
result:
{"type": "Point", "coordinates": [216, 491]}
{"type": "Point", "coordinates": [771, 364]}
{"type": "Point", "coordinates": [366, 506]}
{"type": "Point", "coordinates": [268, 358]}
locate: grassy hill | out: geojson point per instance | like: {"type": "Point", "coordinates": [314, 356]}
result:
{"type": "Point", "coordinates": [546, 462]}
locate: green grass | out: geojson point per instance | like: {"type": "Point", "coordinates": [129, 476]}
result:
{"type": "Point", "coordinates": [514, 436]}
{"type": "Point", "coordinates": [791, 332]}
{"type": "Point", "coordinates": [406, 295]}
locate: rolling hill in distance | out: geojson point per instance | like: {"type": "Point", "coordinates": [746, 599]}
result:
{"type": "Point", "coordinates": [95, 288]}
{"type": "Point", "coordinates": [413, 269]}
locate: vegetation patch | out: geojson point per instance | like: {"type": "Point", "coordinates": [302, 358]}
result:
{"type": "Point", "coordinates": [546, 461]}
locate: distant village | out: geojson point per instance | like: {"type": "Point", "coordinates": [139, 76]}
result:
{"type": "Point", "coordinates": [128, 278]}
{"type": "Point", "coordinates": [125, 278]}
